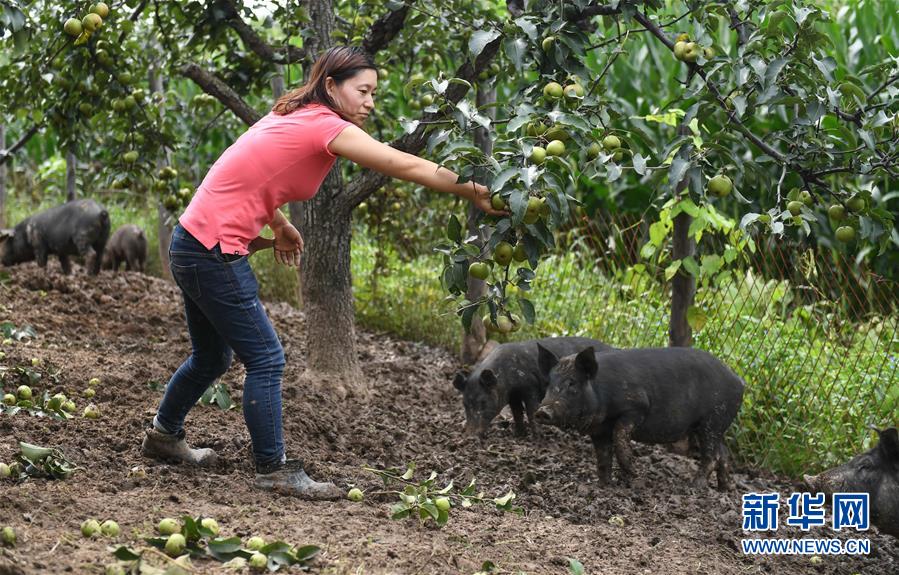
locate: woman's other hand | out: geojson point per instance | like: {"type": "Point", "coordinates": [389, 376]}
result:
{"type": "Point", "coordinates": [288, 245]}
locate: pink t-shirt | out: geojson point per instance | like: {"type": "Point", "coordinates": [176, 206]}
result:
{"type": "Point", "coordinates": [279, 159]}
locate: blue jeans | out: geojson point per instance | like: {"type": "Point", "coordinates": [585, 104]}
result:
{"type": "Point", "coordinates": [223, 311]}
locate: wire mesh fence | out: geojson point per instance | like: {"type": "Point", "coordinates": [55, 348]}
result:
{"type": "Point", "coordinates": [814, 334]}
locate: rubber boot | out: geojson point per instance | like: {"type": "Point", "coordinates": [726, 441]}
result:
{"type": "Point", "coordinates": [173, 447]}
{"type": "Point", "coordinates": [289, 478]}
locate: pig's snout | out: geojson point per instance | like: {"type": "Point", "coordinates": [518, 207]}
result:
{"type": "Point", "coordinates": [543, 415]}
{"type": "Point", "coordinates": [812, 482]}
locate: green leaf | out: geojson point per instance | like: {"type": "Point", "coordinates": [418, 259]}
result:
{"type": "Point", "coordinates": [671, 118]}
{"type": "Point", "coordinates": [748, 219]}
{"type": "Point", "coordinates": [575, 567]}
{"type": "Point", "coordinates": [124, 553]}
{"type": "Point", "coordinates": [696, 317]}
{"type": "Point", "coordinates": [527, 310]}
{"type": "Point", "coordinates": [686, 205]}
{"type": "Point", "coordinates": [801, 13]}
{"type": "Point", "coordinates": [528, 27]}
{"type": "Point", "coordinates": [505, 499]}
{"type": "Point", "coordinates": [190, 530]}
{"type": "Point", "coordinates": [306, 553]}
{"type": "Point", "coordinates": [83, 38]}
{"type": "Point", "coordinates": [613, 172]}
{"type": "Point", "coordinates": [697, 226]}
{"type": "Point", "coordinates": [518, 203]}
{"type": "Point", "coordinates": [711, 264]}
{"type": "Point", "coordinates": [479, 41]}
{"type": "Point", "coordinates": [275, 547]}
{"type": "Point", "coordinates": [225, 544]}
{"type": "Point", "coordinates": [572, 120]}
{"type": "Point", "coordinates": [429, 510]}
{"type": "Point", "coordinates": [34, 453]}
{"type": "Point", "coordinates": [867, 139]}
{"type": "Point", "coordinates": [774, 69]}
{"type": "Point", "coordinates": [639, 164]}
{"type": "Point", "coordinates": [657, 233]}
{"type": "Point", "coordinates": [671, 270]}
{"type": "Point", "coordinates": [223, 398]}
{"type": "Point", "coordinates": [400, 511]}
{"type": "Point", "coordinates": [501, 178]}
{"type": "Point", "coordinates": [677, 170]}
{"type": "Point", "coordinates": [454, 229]}
{"type": "Point", "coordinates": [516, 48]}
{"type": "Point", "coordinates": [225, 549]}
{"type": "Point", "coordinates": [691, 266]}
{"type": "Point", "coordinates": [468, 315]}
{"type": "Point", "coordinates": [158, 542]}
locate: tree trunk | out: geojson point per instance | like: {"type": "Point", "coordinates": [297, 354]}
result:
{"type": "Point", "coordinates": [473, 341]}
{"type": "Point", "coordinates": [328, 294]}
{"type": "Point", "coordinates": [163, 216]}
{"type": "Point", "coordinates": [71, 160]}
{"type": "Point", "coordinates": [327, 286]}
{"type": "Point", "coordinates": [683, 286]}
{"type": "Point", "coordinates": [2, 177]}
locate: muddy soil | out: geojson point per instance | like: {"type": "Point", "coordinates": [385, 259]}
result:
{"type": "Point", "coordinates": [127, 330]}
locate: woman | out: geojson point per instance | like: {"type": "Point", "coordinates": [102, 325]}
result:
{"type": "Point", "coordinates": [284, 157]}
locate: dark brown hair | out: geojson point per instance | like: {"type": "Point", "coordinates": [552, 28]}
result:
{"type": "Point", "coordinates": [340, 63]}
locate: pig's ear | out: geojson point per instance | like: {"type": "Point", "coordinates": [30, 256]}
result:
{"type": "Point", "coordinates": [7, 234]}
{"type": "Point", "coordinates": [546, 359]}
{"type": "Point", "coordinates": [460, 379]}
{"type": "Point", "coordinates": [488, 379]}
{"type": "Point", "coordinates": [889, 443]}
{"type": "Point", "coordinates": [586, 362]}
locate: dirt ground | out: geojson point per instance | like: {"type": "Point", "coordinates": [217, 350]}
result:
{"type": "Point", "coordinates": [127, 330]}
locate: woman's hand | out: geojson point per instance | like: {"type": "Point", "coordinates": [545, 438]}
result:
{"type": "Point", "coordinates": [288, 245]}
{"type": "Point", "coordinates": [481, 200]}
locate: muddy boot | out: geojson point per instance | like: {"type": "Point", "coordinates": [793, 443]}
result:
{"type": "Point", "coordinates": [173, 447]}
{"type": "Point", "coordinates": [290, 479]}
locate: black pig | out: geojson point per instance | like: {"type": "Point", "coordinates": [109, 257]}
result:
{"type": "Point", "coordinates": [128, 244]}
{"type": "Point", "coordinates": [509, 375]}
{"type": "Point", "coordinates": [658, 395]}
{"type": "Point", "coordinates": [78, 228]}
{"type": "Point", "coordinates": [875, 472]}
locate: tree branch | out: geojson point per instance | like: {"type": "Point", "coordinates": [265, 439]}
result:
{"type": "Point", "coordinates": [369, 181]}
{"type": "Point", "coordinates": [716, 93]}
{"type": "Point", "coordinates": [257, 44]}
{"type": "Point", "coordinates": [737, 24]}
{"type": "Point", "coordinates": [7, 154]}
{"type": "Point", "coordinates": [213, 85]}
{"type": "Point", "coordinates": [598, 10]}
{"type": "Point", "coordinates": [384, 30]}
{"type": "Point", "coordinates": [134, 16]}
{"type": "Point", "coordinates": [882, 87]}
